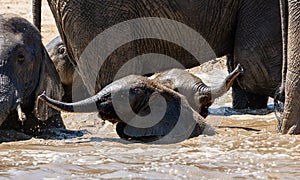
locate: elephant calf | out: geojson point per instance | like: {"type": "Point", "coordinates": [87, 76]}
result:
{"type": "Point", "coordinates": [71, 82]}
{"type": "Point", "coordinates": [150, 109]}
{"type": "Point", "coordinates": [199, 95]}
{"type": "Point", "coordinates": [26, 70]}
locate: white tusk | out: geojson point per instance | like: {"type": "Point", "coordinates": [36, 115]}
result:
{"type": "Point", "coordinates": [21, 114]}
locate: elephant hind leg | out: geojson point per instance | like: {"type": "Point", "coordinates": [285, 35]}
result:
{"type": "Point", "coordinates": [242, 99]}
{"type": "Point", "coordinates": [239, 97]}
{"type": "Point", "coordinates": [257, 101]}
{"type": "Point", "coordinates": [246, 100]}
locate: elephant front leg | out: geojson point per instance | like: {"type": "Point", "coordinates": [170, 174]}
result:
{"type": "Point", "coordinates": [291, 115]}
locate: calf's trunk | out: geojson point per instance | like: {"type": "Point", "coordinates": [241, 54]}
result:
{"type": "Point", "coordinates": [221, 89]}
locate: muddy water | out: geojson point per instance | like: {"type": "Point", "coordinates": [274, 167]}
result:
{"type": "Point", "coordinates": [246, 146]}
{"type": "Point", "coordinates": [234, 152]}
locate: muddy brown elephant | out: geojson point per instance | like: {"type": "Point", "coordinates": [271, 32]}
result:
{"type": "Point", "coordinates": [249, 31]}
{"type": "Point", "coordinates": [289, 123]}
{"type": "Point", "coordinates": [133, 102]}
{"type": "Point", "coordinates": [26, 70]}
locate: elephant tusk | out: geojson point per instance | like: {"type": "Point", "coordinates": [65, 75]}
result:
{"type": "Point", "coordinates": [21, 114]}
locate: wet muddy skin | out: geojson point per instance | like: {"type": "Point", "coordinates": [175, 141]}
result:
{"type": "Point", "coordinates": [246, 146]}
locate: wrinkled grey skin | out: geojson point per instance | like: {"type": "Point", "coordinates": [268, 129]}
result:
{"type": "Point", "coordinates": [185, 82]}
{"type": "Point", "coordinates": [132, 96]}
{"type": "Point", "coordinates": [111, 101]}
{"type": "Point", "coordinates": [249, 31]}
{"type": "Point", "coordinates": [26, 70]}
{"type": "Point", "coordinates": [289, 92]}
{"type": "Point", "coordinates": [199, 95]}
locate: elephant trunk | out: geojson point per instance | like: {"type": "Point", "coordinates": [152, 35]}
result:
{"type": "Point", "coordinates": [9, 99]}
{"type": "Point", "coordinates": [218, 91]}
{"type": "Point", "coordinates": [91, 104]}
{"type": "Point", "coordinates": [36, 10]}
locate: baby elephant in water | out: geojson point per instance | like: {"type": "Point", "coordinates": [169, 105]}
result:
{"type": "Point", "coordinates": [148, 109]}
{"type": "Point", "coordinates": [199, 95]}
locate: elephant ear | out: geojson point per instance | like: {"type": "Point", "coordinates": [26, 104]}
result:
{"type": "Point", "coordinates": [49, 82]}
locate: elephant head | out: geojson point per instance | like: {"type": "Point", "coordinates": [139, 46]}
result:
{"type": "Point", "coordinates": [26, 70]}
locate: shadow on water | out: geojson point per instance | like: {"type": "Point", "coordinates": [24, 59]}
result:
{"type": "Point", "coordinates": [239, 127]}
{"type": "Point", "coordinates": [228, 111]}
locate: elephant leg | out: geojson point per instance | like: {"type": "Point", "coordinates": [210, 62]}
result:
{"type": "Point", "coordinates": [257, 101]}
{"type": "Point", "coordinates": [239, 97]}
{"type": "Point", "coordinates": [291, 118]}
{"type": "Point", "coordinates": [258, 49]}
{"type": "Point", "coordinates": [242, 99]}
{"type": "Point", "coordinates": [246, 100]}
{"type": "Point", "coordinates": [291, 115]}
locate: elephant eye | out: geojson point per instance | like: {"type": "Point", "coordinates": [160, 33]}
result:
{"type": "Point", "coordinates": [21, 58]}
{"type": "Point", "coordinates": [138, 91]}
{"type": "Point", "coordinates": [61, 49]}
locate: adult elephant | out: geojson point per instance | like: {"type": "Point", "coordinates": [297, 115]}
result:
{"type": "Point", "coordinates": [26, 70]}
{"type": "Point", "coordinates": [291, 67]}
{"type": "Point", "coordinates": [249, 31]}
